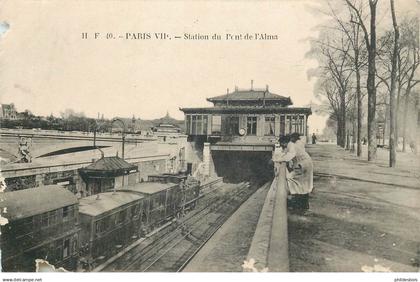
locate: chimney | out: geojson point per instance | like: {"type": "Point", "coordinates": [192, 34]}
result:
{"type": "Point", "coordinates": [98, 197]}
{"type": "Point", "coordinates": [252, 84]}
{"type": "Point", "coordinates": [236, 88]}
{"type": "Point", "coordinates": [266, 88]}
{"type": "Point", "coordinates": [227, 97]}
{"type": "Point", "coordinates": [93, 160]}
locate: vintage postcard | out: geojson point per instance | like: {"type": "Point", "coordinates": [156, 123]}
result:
{"type": "Point", "coordinates": [210, 136]}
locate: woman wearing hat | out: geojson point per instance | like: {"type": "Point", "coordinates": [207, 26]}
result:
{"type": "Point", "coordinates": [300, 179]}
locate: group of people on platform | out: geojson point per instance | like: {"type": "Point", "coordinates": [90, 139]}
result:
{"type": "Point", "coordinates": [299, 174]}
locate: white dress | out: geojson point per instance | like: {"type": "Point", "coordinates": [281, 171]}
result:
{"type": "Point", "coordinates": [300, 181]}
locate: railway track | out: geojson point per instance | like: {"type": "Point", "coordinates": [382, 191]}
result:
{"type": "Point", "coordinates": [176, 245]}
{"type": "Point", "coordinates": [156, 241]}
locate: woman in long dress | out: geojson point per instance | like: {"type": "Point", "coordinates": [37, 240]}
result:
{"type": "Point", "coordinates": [300, 178]}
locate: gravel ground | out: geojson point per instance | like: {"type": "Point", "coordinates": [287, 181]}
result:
{"type": "Point", "coordinates": [360, 219]}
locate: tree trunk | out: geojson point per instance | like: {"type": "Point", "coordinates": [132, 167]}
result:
{"type": "Point", "coordinates": [348, 140]}
{"type": "Point", "coordinates": [353, 122]}
{"type": "Point", "coordinates": [343, 119]}
{"type": "Point", "coordinates": [338, 133]}
{"type": "Point", "coordinates": [392, 150]}
{"type": "Point", "coordinates": [407, 98]}
{"type": "Point", "coordinates": [397, 106]}
{"type": "Point", "coordinates": [359, 113]}
{"type": "Point", "coordinates": [371, 87]}
{"type": "Point", "coordinates": [396, 114]}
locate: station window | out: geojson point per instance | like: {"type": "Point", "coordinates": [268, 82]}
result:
{"type": "Point", "coordinates": [197, 124]}
{"type": "Point", "coordinates": [282, 125]}
{"type": "Point", "coordinates": [251, 124]}
{"type": "Point", "coordinates": [269, 126]}
{"type": "Point", "coordinates": [188, 124]}
{"type": "Point", "coordinates": [297, 124]}
{"type": "Point", "coordinates": [216, 124]}
{"type": "Point", "coordinates": [232, 125]}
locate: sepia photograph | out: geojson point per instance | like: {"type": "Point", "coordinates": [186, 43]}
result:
{"type": "Point", "coordinates": [240, 136]}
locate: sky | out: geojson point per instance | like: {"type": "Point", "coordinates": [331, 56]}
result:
{"type": "Point", "coordinates": [47, 66]}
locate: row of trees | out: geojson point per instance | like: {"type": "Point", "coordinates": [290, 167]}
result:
{"type": "Point", "coordinates": [354, 62]}
{"type": "Point", "coordinates": [68, 121]}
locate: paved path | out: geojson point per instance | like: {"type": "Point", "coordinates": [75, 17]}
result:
{"type": "Point", "coordinates": [365, 216]}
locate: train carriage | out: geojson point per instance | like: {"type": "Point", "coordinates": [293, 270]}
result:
{"type": "Point", "coordinates": [109, 222]}
{"type": "Point", "coordinates": [188, 193]}
{"type": "Point", "coordinates": [160, 200]}
{"type": "Point", "coordinates": [42, 224]}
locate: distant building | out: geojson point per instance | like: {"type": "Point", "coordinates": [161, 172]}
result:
{"type": "Point", "coordinates": [8, 111]}
{"type": "Point", "coordinates": [166, 128]}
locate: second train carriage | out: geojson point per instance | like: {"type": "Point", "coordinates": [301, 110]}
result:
{"type": "Point", "coordinates": [188, 192]}
{"type": "Point", "coordinates": [109, 221]}
{"type": "Point", "coordinates": [161, 201]}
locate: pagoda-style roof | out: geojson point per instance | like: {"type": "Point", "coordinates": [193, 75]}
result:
{"type": "Point", "coordinates": [247, 110]}
{"type": "Point", "coordinates": [108, 167]}
{"type": "Point", "coordinates": [251, 95]}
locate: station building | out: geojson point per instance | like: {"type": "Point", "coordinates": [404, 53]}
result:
{"type": "Point", "coordinates": [240, 129]}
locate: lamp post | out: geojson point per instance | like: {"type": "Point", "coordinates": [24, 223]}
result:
{"type": "Point", "coordinates": [123, 134]}
{"type": "Point", "coordinates": [97, 127]}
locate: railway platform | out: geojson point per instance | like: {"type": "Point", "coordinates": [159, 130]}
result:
{"type": "Point", "coordinates": [228, 248]}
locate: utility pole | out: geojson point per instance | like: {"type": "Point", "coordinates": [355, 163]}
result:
{"type": "Point", "coordinates": [123, 134]}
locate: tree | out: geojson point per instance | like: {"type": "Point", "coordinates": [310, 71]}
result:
{"type": "Point", "coordinates": [411, 41]}
{"type": "Point", "coordinates": [351, 29]}
{"type": "Point", "coordinates": [370, 42]}
{"type": "Point", "coordinates": [392, 151]}
{"type": "Point", "coordinates": [334, 74]}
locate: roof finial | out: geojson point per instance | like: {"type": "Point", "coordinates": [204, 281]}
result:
{"type": "Point", "coordinates": [252, 84]}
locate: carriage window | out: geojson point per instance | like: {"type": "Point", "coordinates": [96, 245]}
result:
{"type": "Point", "coordinates": [133, 210]}
{"type": "Point", "coordinates": [65, 212]}
{"type": "Point", "coordinates": [121, 216]}
{"type": "Point", "coordinates": [143, 216]}
{"type": "Point", "coordinates": [66, 249]}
